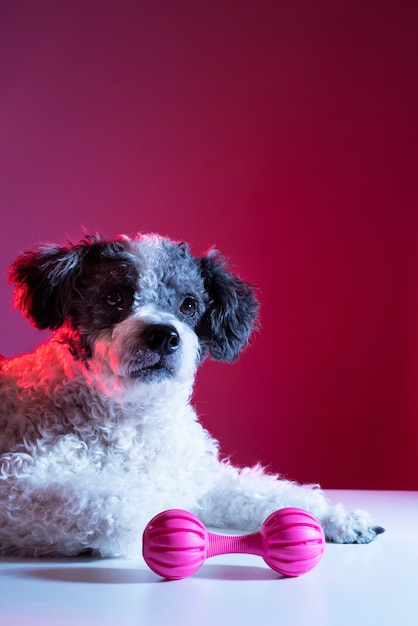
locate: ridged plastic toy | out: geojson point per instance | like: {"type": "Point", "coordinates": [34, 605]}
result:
{"type": "Point", "coordinates": [176, 543]}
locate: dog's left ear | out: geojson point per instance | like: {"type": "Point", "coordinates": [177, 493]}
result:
{"type": "Point", "coordinates": [44, 281]}
{"type": "Point", "coordinates": [232, 311]}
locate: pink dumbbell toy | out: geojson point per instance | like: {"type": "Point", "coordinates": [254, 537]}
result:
{"type": "Point", "coordinates": [176, 543]}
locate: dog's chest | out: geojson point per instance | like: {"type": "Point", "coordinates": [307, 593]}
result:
{"type": "Point", "coordinates": [141, 441]}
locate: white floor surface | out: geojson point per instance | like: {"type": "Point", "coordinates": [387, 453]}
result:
{"type": "Point", "coordinates": [353, 585]}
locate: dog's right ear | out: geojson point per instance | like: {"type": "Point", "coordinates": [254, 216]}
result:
{"type": "Point", "coordinates": [44, 279]}
{"type": "Point", "coordinates": [232, 311]}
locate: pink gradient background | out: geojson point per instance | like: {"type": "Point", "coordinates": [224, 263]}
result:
{"type": "Point", "coordinates": [283, 132]}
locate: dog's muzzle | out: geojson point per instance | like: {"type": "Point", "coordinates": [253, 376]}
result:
{"type": "Point", "coordinates": [158, 354]}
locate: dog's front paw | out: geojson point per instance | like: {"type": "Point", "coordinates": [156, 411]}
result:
{"type": "Point", "coordinates": [343, 527]}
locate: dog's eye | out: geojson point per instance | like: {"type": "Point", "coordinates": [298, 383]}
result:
{"type": "Point", "coordinates": [114, 298]}
{"type": "Point", "coordinates": [188, 306]}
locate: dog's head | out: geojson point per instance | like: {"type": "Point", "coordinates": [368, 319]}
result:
{"type": "Point", "coordinates": [145, 305]}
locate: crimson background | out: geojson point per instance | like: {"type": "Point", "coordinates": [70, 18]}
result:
{"type": "Point", "coordinates": [283, 132]}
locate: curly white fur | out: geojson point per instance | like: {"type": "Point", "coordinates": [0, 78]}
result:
{"type": "Point", "coordinates": [97, 433]}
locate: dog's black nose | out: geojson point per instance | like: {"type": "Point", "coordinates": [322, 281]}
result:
{"type": "Point", "coordinates": [162, 338]}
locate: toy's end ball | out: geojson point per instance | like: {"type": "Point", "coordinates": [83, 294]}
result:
{"type": "Point", "coordinates": [293, 541]}
{"type": "Point", "coordinates": [175, 544]}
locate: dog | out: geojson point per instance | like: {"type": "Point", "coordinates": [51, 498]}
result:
{"type": "Point", "coordinates": [97, 430]}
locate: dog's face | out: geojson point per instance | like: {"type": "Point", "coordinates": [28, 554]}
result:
{"type": "Point", "coordinates": [145, 305]}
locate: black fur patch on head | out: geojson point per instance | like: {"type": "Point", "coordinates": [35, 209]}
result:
{"type": "Point", "coordinates": [232, 312]}
{"type": "Point", "coordinates": [53, 283]}
{"type": "Point", "coordinates": [104, 290]}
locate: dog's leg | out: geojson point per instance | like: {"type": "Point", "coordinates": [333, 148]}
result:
{"type": "Point", "coordinates": [244, 498]}
{"type": "Point", "coordinates": [49, 510]}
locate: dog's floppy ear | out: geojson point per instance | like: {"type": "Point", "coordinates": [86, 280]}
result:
{"type": "Point", "coordinates": [44, 279]}
{"type": "Point", "coordinates": [232, 310]}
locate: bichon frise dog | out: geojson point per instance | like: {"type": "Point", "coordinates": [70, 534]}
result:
{"type": "Point", "coordinates": [97, 433]}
